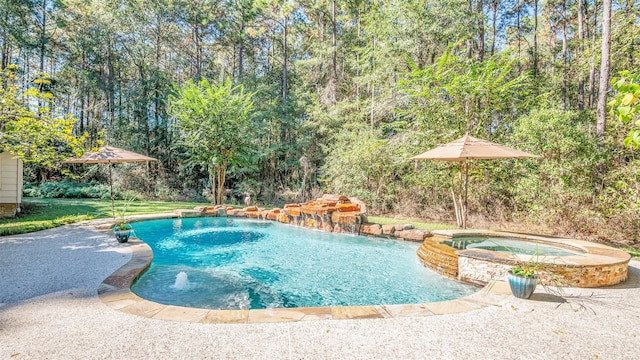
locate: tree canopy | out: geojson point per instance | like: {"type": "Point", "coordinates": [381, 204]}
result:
{"type": "Point", "coordinates": [343, 94]}
{"type": "Point", "coordinates": [212, 122]}
{"type": "Point", "coordinates": [35, 136]}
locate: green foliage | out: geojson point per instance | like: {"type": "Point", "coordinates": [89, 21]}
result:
{"type": "Point", "coordinates": [562, 179]}
{"type": "Point", "coordinates": [39, 136]}
{"type": "Point", "coordinates": [355, 94]}
{"type": "Point", "coordinates": [626, 105]}
{"type": "Point", "coordinates": [524, 270]}
{"type": "Point", "coordinates": [620, 199]}
{"type": "Point", "coordinates": [121, 223]}
{"type": "Point", "coordinates": [212, 120]}
{"type": "Point", "coordinates": [456, 94]}
{"type": "Point", "coordinates": [71, 189]}
{"type": "Point", "coordinates": [363, 165]}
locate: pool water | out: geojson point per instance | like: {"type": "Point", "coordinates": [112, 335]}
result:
{"type": "Point", "coordinates": [509, 245]}
{"type": "Point", "coordinates": [224, 263]}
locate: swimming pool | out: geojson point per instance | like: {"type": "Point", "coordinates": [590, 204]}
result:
{"type": "Point", "coordinates": [224, 263]}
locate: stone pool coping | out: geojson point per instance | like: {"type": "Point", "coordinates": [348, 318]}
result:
{"type": "Point", "coordinates": [115, 292]}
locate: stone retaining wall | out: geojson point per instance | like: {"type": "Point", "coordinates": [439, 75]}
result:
{"type": "Point", "coordinates": [480, 272]}
{"type": "Point", "coordinates": [342, 222]}
{"type": "Point", "coordinates": [598, 265]}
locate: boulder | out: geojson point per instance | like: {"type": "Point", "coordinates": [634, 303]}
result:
{"type": "Point", "coordinates": [400, 227]}
{"type": "Point", "coordinates": [371, 229]}
{"type": "Point", "coordinates": [413, 234]}
{"type": "Point", "coordinates": [334, 198]}
{"type": "Point", "coordinates": [388, 229]}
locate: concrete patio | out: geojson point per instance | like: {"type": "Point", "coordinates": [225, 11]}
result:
{"type": "Point", "coordinates": [49, 308]}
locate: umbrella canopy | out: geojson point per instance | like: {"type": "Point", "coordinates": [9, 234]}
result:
{"type": "Point", "coordinates": [469, 147]}
{"type": "Point", "coordinates": [466, 148]}
{"type": "Point", "coordinates": [110, 154]}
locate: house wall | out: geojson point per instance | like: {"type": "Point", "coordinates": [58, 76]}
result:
{"type": "Point", "coordinates": [10, 185]}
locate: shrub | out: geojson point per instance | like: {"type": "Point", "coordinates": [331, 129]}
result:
{"type": "Point", "coordinates": [72, 189]}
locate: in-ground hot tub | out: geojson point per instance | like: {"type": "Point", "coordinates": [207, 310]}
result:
{"type": "Point", "coordinates": [478, 257]}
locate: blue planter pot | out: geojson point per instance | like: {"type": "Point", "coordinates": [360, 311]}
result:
{"type": "Point", "coordinates": [122, 234]}
{"type": "Point", "coordinates": [522, 287]}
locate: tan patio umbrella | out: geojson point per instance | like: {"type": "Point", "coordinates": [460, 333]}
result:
{"type": "Point", "coordinates": [110, 154]}
{"type": "Point", "coordinates": [465, 148]}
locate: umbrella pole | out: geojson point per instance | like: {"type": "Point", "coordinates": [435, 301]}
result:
{"type": "Point", "coordinates": [466, 186]}
{"type": "Point", "coordinates": [113, 206]}
{"type": "Point", "coordinates": [456, 204]}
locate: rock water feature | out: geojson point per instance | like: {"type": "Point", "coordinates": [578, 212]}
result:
{"type": "Point", "coordinates": [333, 213]}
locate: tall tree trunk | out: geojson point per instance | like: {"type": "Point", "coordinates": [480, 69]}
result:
{"type": "Point", "coordinates": [604, 69]}
{"type": "Point", "coordinates": [373, 86]}
{"type": "Point", "coordinates": [628, 14]}
{"type": "Point", "coordinates": [5, 49]}
{"type": "Point", "coordinates": [82, 97]}
{"type": "Point", "coordinates": [241, 48]}
{"type": "Point", "coordinates": [283, 125]}
{"type": "Point", "coordinates": [43, 35]}
{"type": "Point", "coordinates": [480, 14]}
{"type": "Point", "coordinates": [110, 84]}
{"type": "Point", "coordinates": [470, 39]}
{"type": "Point", "coordinates": [334, 45]}
{"type": "Point", "coordinates": [213, 175]}
{"type": "Point", "coordinates": [197, 47]}
{"type": "Point", "coordinates": [156, 84]}
{"type": "Point", "coordinates": [580, 54]}
{"type": "Point", "coordinates": [319, 80]}
{"type": "Point", "coordinates": [564, 55]}
{"type": "Point", "coordinates": [494, 7]}
{"type": "Point", "coordinates": [358, 39]}
{"type": "Point", "coordinates": [518, 11]}
{"type": "Point", "coordinates": [535, 38]}
{"type": "Point", "coordinates": [592, 70]}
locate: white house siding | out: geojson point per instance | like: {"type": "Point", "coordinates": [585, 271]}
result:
{"type": "Point", "coordinates": [10, 184]}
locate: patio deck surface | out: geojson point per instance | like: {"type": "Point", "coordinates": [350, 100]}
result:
{"type": "Point", "coordinates": [50, 308]}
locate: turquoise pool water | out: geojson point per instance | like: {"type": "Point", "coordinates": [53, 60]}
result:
{"type": "Point", "coordinates": [224, 263]}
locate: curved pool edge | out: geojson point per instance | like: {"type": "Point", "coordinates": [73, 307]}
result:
{"type": "Point", "coordinates": [115, 292]}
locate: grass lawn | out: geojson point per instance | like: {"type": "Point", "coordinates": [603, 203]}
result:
{"type": "Point", "coordinates": [418, 225]}
{"type": "Point", "coordinates": [39, 214]}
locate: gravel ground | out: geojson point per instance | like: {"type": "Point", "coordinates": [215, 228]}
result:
{"type": "Point", "coordinates": [49, 309]}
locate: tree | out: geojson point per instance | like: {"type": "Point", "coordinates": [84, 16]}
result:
{"type": "Point", "coordinates": [40, 136]}
{"type": "Point", "coordinates": [626, 105]}
{"type": "Point", "coordinates": [212, 120]}
{"type": "Point", "coordinates": [604, 68]}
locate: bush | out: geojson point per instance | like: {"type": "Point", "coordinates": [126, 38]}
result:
{"type": "Point", "coordinates": [71, 189]}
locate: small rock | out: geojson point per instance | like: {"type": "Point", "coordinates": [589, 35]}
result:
{"type": "Point", "coordinates": [388, 229]}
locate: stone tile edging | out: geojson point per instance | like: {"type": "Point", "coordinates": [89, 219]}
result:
{"type": "Point", "coordinates": [115, 292]}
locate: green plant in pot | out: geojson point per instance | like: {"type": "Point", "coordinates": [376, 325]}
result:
{"type": "Point", "coordinates": [122, 229]}
{"type": "Point", "coordinates": [523, 279]}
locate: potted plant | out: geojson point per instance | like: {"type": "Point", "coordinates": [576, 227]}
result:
{"type": "Point", "coordinates": [122, 229]}
{"type": "Point", "coordinates": [523, 280]}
